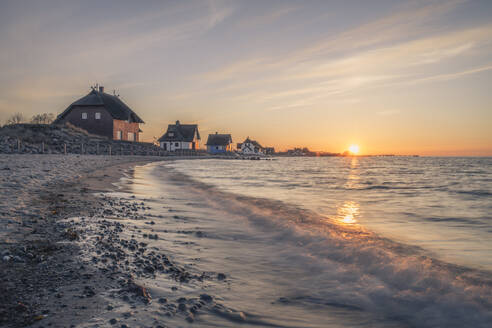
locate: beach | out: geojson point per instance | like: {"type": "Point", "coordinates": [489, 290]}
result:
{"type": "Point", "coordinates": [99, 241]}
{"type": "Point", "coordinates": [43, 278]}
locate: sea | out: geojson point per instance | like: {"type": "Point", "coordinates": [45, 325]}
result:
{"type": "Point", "coordinates": [326, 241]}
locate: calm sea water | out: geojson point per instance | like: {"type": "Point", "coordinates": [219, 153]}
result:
{"type": "Point", "coordinates": [328, 242]}
{"type": "Point", "coordinates": [441, 204]}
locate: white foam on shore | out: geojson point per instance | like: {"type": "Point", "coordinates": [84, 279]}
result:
{"type": "Point", "coordinates": [352, 268]}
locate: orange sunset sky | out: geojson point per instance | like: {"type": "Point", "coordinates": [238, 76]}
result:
{"type": "Point", "coordinates": [400, 77]}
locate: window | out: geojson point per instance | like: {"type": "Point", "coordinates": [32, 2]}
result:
{"type": "Point", "coordinates": [131, 136]}
{"type": "Point", "coordinates": [216, 147]}
{"type": "Point", "coordinates": [98, 116]}
{"type": "Point", "coordinates": [171, 134]}
{"type": "Point", "coordinates": [118, 135]}
{"type": "Point", "coordinates": [84, 116]}
{"type": "Point", "coordinates": [176, 144]}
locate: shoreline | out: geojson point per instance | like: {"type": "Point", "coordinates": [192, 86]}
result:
{"type": "Point", "coordinates": [159, 249]}
{"type": "Point", "coordinates": [44, 280]}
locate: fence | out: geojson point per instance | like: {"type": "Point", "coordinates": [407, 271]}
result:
{"type": "Point", "coordinates": [103, 147]}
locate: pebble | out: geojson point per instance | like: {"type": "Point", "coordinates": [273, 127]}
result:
{"type": "Point", "coordinates": [205, 297]}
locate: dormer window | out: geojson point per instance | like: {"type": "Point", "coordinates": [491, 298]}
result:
{"type": "Point", "coordinates": [171, 134]}
{"type": "Point", "coordinates": [98, 116]}
{"type": "Point", "coordinates": [84, 116]}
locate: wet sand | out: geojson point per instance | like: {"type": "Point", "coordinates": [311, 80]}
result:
{"type": "Point", "coordinates": [44, 280]}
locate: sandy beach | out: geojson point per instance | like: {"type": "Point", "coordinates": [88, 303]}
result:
{"type": "Point", "coordinates": [44, 282]}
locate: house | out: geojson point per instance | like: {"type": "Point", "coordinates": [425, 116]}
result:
{"type": "Point", "coordinates": [250, 147]}
{"type": "Point", "coordinates": [180, 136]}
{"type": "Point", "coordinates": [103, 114]}
{"type": "Point", "coordinates": [219, 143]}
{"type": "Point", "coordinates": [269, 150]}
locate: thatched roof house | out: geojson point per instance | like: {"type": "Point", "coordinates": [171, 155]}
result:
{"type": "Point", "coordinates": [219, 143]}
{"type": "Point", "coordinates": [180, 136]}
{"type": "Point", "coordinates": [103, 114]}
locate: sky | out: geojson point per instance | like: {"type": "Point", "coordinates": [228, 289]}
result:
{"type": "Point", "coordinates": [399, 77]}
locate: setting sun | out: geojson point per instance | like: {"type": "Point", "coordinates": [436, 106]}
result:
{"type": "Point", "coordinates": [354, 149]}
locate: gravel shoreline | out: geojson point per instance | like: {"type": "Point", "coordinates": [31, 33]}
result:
{"type": "Point", "coordinates": [44, 281]}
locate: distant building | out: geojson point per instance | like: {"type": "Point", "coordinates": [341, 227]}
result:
{"type": "Point", "coordinates": [250, 147]}
{"type": "Point", "coordinates": [180, 136]}
{"type": "Point", "coordinates": [269, 150]}
{"type": "Point", "coordinates": [103, 114]}
{"type": "Point", "coordinates": [219, 143]}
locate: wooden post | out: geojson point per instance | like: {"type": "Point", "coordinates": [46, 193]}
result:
{"type": "Point", "coordinates": [42, 147]}
{"type": "Point", "coordinates": [18, 145]}
{"type": "Point", "coordinates": [65, 148]}
{"type": "Point", "coordinates": [109, 150]}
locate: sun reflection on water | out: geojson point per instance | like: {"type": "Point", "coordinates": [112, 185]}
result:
{"type": "Point", "coordinates": [353, 177]}
{"type": "Point", "coordinates": [347, 213]}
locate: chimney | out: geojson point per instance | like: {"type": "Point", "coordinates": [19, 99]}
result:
{"type": "Point", "coordinates": [177, 122]}
{"type": "Point", "coordinates": [216, 132]}
{"type": "Point", "coordinates": [101, 88]}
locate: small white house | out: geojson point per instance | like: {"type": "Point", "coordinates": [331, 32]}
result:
{"type": "Point", "coordinates": [180, 137]}
{"type": "Point", "coordinates": [250, 147]}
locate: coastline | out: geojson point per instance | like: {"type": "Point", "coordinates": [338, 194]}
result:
{"type": "Point", "coordinates": [159, 248]}
{"type": "Point", "coordinates": [44, 281]}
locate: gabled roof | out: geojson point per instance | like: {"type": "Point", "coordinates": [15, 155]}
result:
{"type": "Point", "coordinates": [219, 139]}
{"type": "Point", "coordinates": [180, 132]}
{"type": "Point", "coordinates": [253, 142]}
{"type": "Point", "coordinates": [113, 104]}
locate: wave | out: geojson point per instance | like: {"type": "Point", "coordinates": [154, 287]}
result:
{"type": "Point", "coordinates": [356, 269]}
{"type": "Point", "coordinates": [480, 193]}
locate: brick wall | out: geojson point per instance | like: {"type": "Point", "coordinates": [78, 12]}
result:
{"type": "Point", "coordinates": [125, 128]}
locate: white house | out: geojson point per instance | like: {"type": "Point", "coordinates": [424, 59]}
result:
{"type": "Point", "coordinates": [180, 137]}
{"type": "Point", "coordinates": [250, 147]}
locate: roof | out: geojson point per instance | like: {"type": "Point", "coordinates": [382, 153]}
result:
{"type": "Point", "coordinates": [180, 132]}
{"type": "Point", "coordinates": [253, 142]}
{"type": "Point", "coordinates": [113, 104]}
{"type": "Point", "coordinates": [218, 139]}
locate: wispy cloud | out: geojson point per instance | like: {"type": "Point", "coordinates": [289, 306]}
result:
{"type": "Point", "coordinates": [451, 76]}
{"type": "Point", "coordinates": [410, 21]}
{"type": "Point", "coordinates": [404, 25]}
{"type": "Point", "coordinates": [412, 61]}
{"type": "Point", "coordinates": [218, 11]}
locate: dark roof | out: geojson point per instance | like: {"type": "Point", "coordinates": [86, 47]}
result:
{"type": "Point", "coordinates": [181, 132]}
{"type": "Point", "coordinates": [113, 104]}
{"type": "Point", "coordinates": [218, 139]}
{"type": "Point", "coordinates": [253, 142]}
